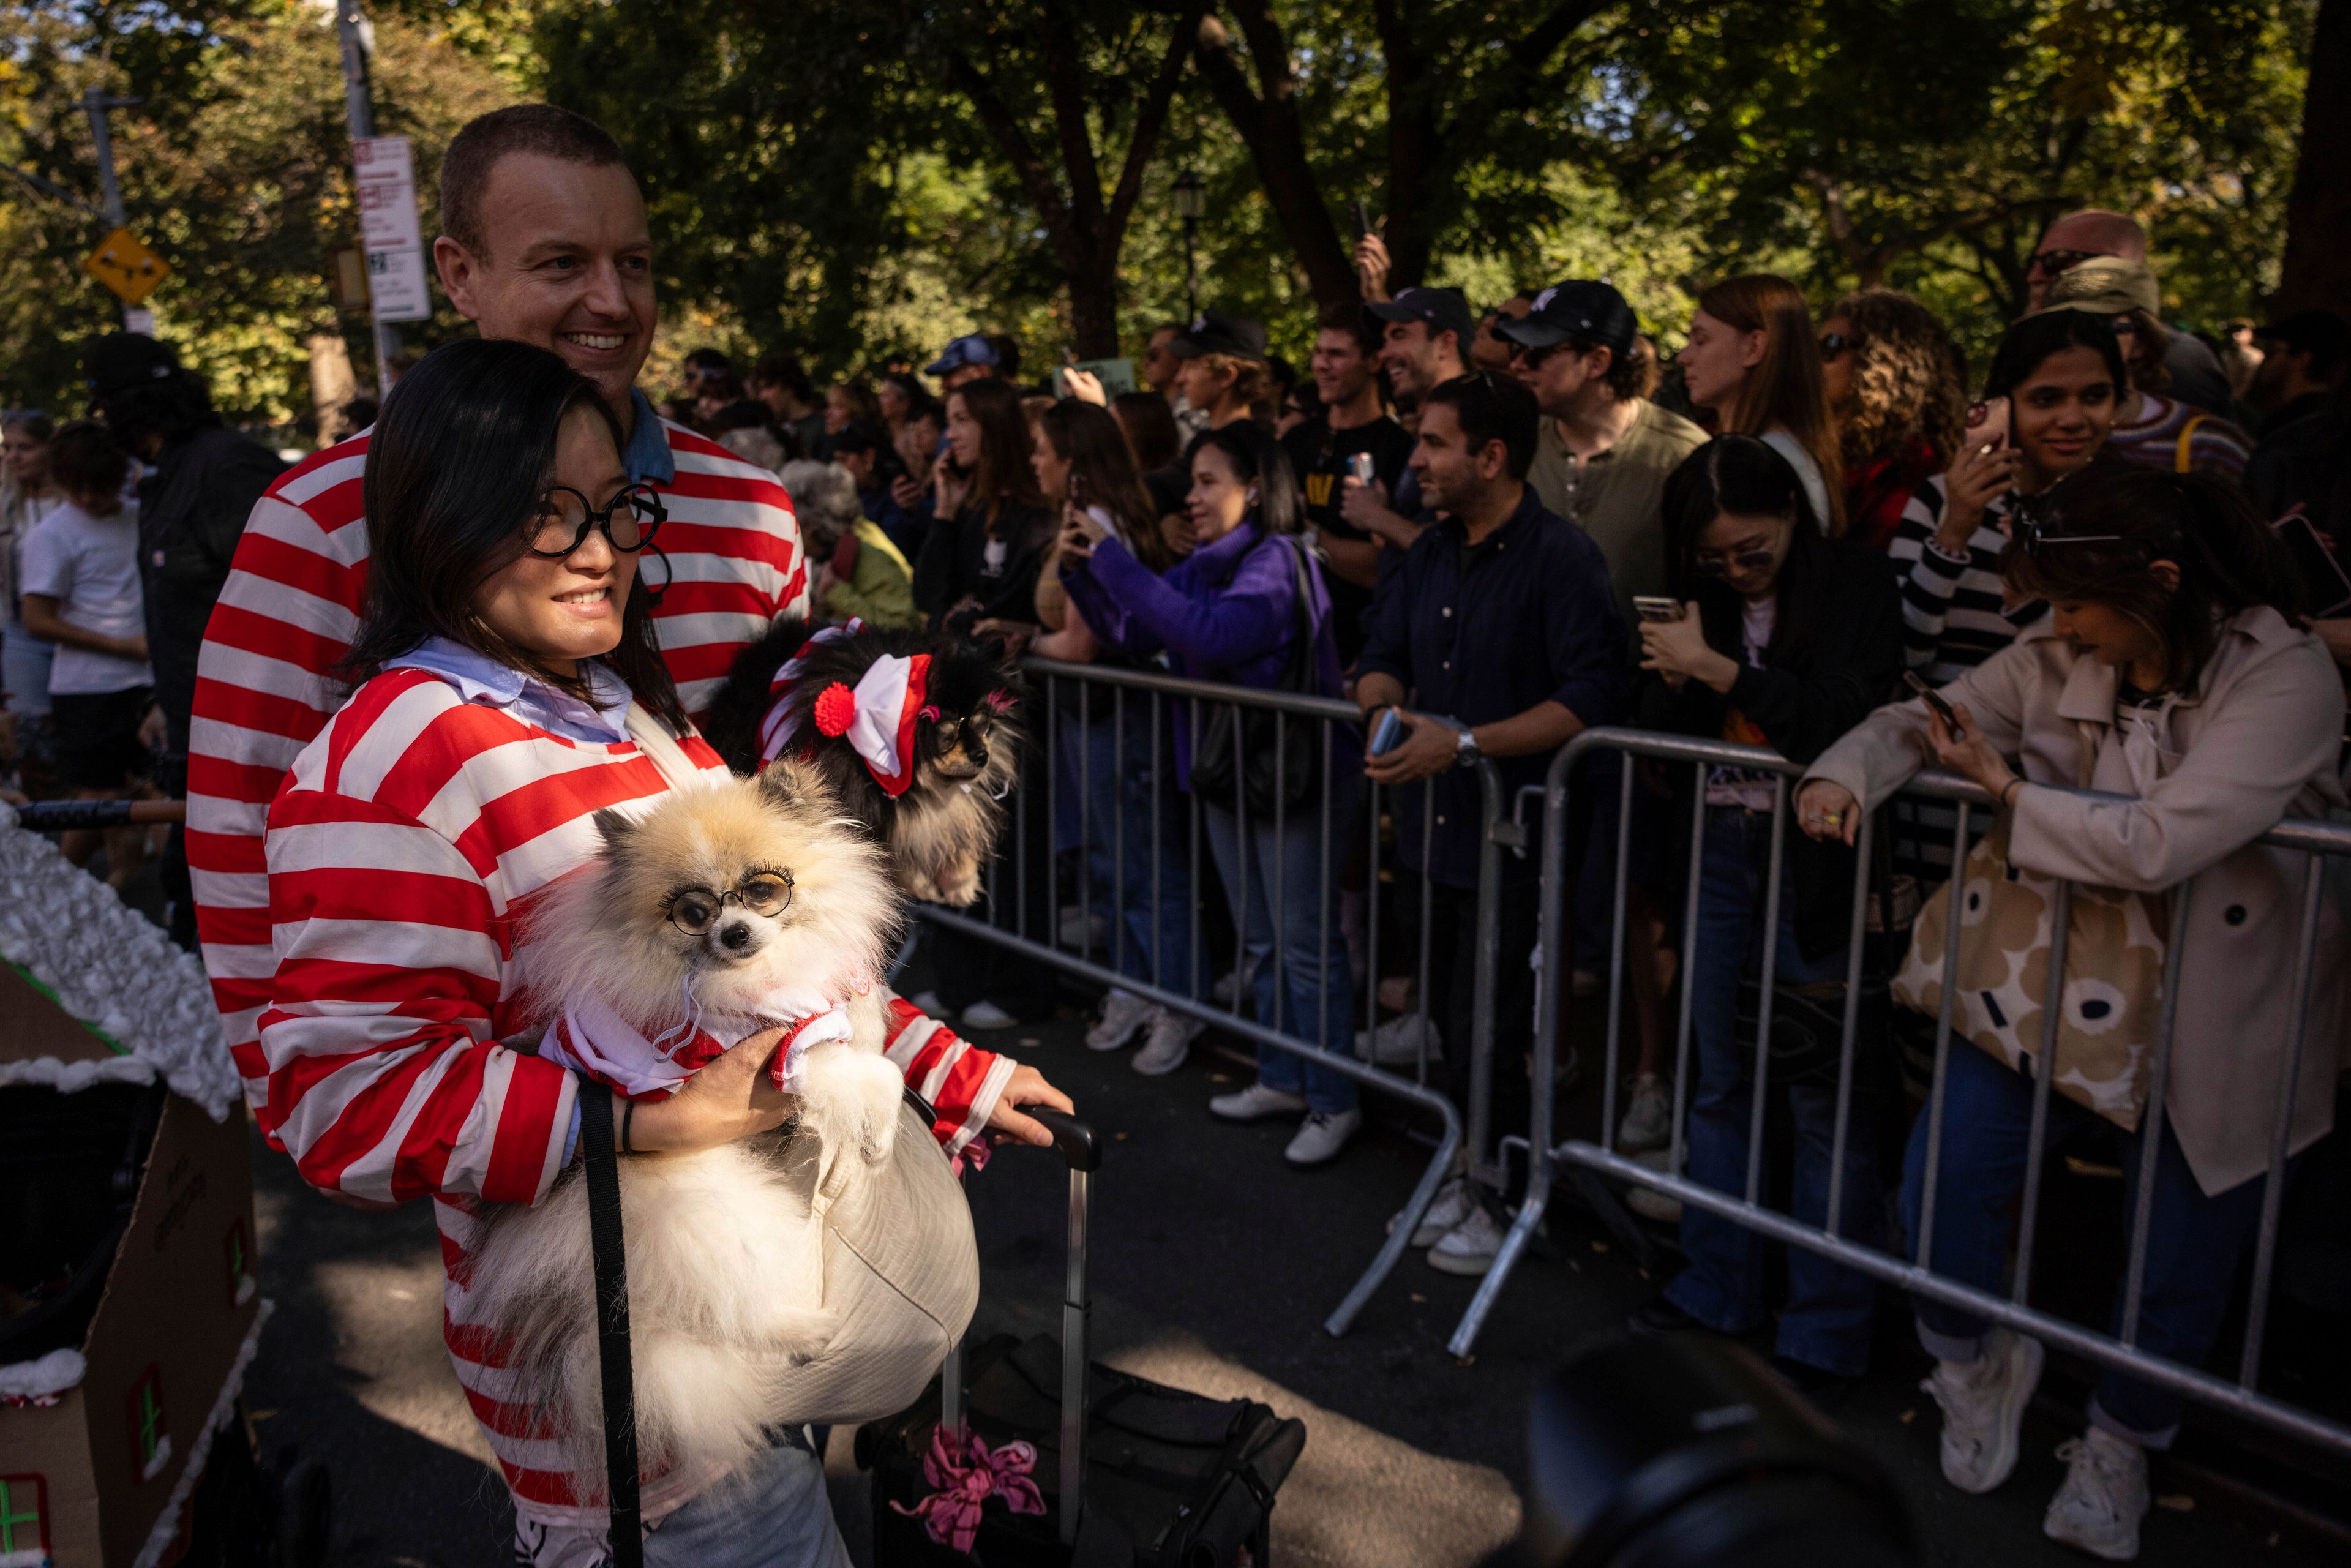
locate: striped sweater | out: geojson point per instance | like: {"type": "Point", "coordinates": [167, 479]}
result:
{"type": "Point", "coordinates": [1954, 612]}
{"type": "Point", "coordinates": [265, 682]}
{"type": "Point", "coordinates": [405, 845]}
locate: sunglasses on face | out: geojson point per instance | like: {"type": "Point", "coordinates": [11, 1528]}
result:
{"type": "Point", "coordinates": [694, 910]}
{"type": "Point", "coordinates": [564, 518]}
{"type": "Point", "coordinates": [1714, 563]}
{"type": "Point", "coordinates": [1835, 343]}
{"type": "Point", "coordinates": [2052, 262]}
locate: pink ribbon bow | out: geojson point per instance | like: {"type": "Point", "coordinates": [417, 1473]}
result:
{"type": "Point", "coordinates": [967, 1480]}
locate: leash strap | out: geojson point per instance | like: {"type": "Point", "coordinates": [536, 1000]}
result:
{"type": "Point", "coordinates": [627, 1537]}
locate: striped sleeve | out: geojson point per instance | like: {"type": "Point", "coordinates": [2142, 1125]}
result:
{"type": "Point", "coordinates": [1927, 578]}
{"type": "Point", "coordinates": [265, 686]}
{"type": "Point", "coordinates": [387, 860]}
{"type": "Point", "coordinates": [961, 1081]}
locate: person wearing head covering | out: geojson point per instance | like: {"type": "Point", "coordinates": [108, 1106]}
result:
{"type": "Point", "coordinates": [2151, 429]}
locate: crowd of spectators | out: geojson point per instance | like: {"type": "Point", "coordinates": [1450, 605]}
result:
{"type": "Point", "coordinates": [1508, 526]}
{"type": "Point", "coordinates": [2115, 543]}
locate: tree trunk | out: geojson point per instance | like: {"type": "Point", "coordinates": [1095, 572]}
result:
{"type": "Point", "coordinates": [1416, 150]}
{"type": "Point", "coordinates": [2316, 274]}
{"type": "Point", "coordinates": [1269, 124]}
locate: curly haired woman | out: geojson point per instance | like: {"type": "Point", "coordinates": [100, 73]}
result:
{"type": "Point", "coordinates": [1896, 385]}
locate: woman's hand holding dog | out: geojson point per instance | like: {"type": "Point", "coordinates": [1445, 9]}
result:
{"type": "Point", "coordinates": [731, 1099]}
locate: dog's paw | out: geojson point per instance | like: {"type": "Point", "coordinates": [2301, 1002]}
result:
{"type": "Point", "coordinates": [850, 1098]}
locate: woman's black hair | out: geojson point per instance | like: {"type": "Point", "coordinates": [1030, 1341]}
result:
{"type": "Point", "coordinates": [1747, 477]}
{"type": "Point", "coordinates": [2032, 340]}
{"type": "Point", "coordinates": [455, 467]}
{"type": "Point", "coordinates": [1257, 458]}
{"type": "Point", "coordinates": [2229, 559]}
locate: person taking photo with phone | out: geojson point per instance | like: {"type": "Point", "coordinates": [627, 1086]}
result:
{"type": "Point", "coordinates": [1499, 618]}
{"type": "Point", "coordinates": [1328, 452]}
{"type": "Point", "coordinates": [2055, 382]}
{"type": "Point", "coordinates": [1788, 641]}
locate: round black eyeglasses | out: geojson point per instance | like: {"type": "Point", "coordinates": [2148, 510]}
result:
{"type": "Point", "coordinates": [565, 515]}
{"type": "Point", "coordinates": [694, 910]}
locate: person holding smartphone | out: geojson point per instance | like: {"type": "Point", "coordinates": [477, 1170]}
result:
{"type": "Point", "coordinates": [2056, 380]}
{"type": "Point", "coordinates": [1789, 641]}
{"type": "Point", "coordinates": [1502, 618]}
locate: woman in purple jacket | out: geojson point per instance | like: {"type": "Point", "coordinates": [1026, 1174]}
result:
{"type": "Point", "coordinates": [1229, 611]}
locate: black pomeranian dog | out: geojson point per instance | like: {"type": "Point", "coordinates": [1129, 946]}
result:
{"type": "Point", "coordinates": [941, 828]}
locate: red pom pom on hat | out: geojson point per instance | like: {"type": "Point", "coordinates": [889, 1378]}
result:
{"type": "Point", "coordinates": [836, 709]}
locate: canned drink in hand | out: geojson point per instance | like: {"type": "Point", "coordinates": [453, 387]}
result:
{"type": "Point", "coordinates": [1359, 464]}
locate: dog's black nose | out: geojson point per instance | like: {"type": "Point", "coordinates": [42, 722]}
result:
{"type": "Point", "coordinates": [736, 936]}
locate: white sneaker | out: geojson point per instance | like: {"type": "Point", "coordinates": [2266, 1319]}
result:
{"type": "Point", "coordinates": [1166, 1043]}
{"type": "Point", "coordinates": [1983, 1404]}
{"type": "Point", "coordinates": [1583, 983]}
{"type": "Point", "coordinates": [927, 1003]}
{"type": "Point", "coordinates": [1468, 1248]}
{"type": "Point", "coordinates": [1255, 1104]}
{"type": "Point", "coordinates": [1320, 1141]}
{"type": "Point", "coordinates": [1397, 1041]}
{"type": "Point", "coordinates": [2104, 1498]}
{"type": "Point", "coordinates": [1123, 1013]}
{"type": "Point", "coordinates": [985, 1014]}
{"type": "Point", "coordinates": [1448, 1209]}
{"type": "Point", "coordinates": [1648, 1121]}
{"type": "Point", "coordinates": [1647, 1202]}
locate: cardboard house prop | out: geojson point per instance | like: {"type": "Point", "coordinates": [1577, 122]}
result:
{"type": "Point", "coordinates": [108, 1039]}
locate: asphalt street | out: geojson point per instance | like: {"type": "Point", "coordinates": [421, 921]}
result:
{"type": "Point", "coordinates": [1214, 1268]}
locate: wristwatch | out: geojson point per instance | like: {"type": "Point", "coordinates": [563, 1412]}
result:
{"type": "Point", "coordinates": [1465, 750]}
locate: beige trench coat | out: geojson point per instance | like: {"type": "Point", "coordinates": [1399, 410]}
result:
{"type": "Point", "coordinates": [2254, 742]}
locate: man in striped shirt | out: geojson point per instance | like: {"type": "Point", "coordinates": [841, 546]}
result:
{"type": "Point", "coordinates": [546, 242]}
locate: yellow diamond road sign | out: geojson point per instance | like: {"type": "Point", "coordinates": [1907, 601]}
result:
{"type": "Point", "coordinates": [126, 266]}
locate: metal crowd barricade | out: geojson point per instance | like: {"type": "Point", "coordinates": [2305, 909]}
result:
{"type": "Point", "coordinates": [2242, 1396]}
{"type": "Point", "coordinates": [1163, 698]}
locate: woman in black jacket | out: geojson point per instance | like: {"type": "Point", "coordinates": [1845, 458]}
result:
{"type": "Point", "coordinates": [1788, 639]}
{"type": "Point", "coordinates": [976, 572]}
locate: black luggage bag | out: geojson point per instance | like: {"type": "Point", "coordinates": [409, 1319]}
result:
{"type": "Point", "coordinates": [1130, 1472]}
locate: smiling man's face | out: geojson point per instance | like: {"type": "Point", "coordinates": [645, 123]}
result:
{"type": "Point", "coordinates": [568, 266]}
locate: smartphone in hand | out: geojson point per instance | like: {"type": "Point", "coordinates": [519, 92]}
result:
{"type": "Point", "coordinates": [1987, 424]}
{"type": "Point", "coordinates": [1388, 733]}
{"type": "Point", "coordinates": [1934, 699]}
{"type": "Point", "coordinates": [1649, 607]}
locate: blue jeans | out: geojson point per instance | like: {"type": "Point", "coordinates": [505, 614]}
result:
{"type": "Point", "coordinates": [1306, 991]}
{"type": "Point", "coordinates": [772, 1513]}
{"type": "Point", "coordinates": [1826, 1323]}
{"type": "Point", "coordinates": [25, 669]}
{"type": "Point", "coordinates": [1122, 802]}
{"type": "Point", "coordinates": [2194, 1244]}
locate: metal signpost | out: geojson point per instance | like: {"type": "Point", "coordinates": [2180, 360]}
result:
{"type": "Point", "coordinates": [384, 172]}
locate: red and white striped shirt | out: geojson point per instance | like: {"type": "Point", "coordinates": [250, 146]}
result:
{"type": "Point", "coordinates": [409, 838]}
{"type": "Point", "coordinates": [266, 681]}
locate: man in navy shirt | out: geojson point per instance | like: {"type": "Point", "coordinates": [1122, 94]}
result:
{"type": "Point", "coordinates": [1500, 619]}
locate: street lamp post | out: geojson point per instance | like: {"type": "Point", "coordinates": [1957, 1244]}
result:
{"type": "Point", "coordinates": [1191, 201]}
{"type": "Point", "coordinates": [94, 103]}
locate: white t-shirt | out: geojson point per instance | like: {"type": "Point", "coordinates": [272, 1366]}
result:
{"type": "Point", "coordinates": [1808, 473]}
{"type": "Point", "coordinates": [90, 566]}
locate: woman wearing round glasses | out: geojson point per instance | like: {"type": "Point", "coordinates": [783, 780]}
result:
{"type": "Point", "coordinates": [1786, 639]}
{"type": "Point", "coordinates": [2174, 678]}
{"type": "Point", "coordinates": [509, 691]}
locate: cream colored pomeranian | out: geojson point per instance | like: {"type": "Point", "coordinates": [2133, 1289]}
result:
{"type": "Point", "coordinates": [727, 908]}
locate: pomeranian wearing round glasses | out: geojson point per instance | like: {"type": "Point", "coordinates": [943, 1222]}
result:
{"type": "Point", "coordinates": [723, 908]}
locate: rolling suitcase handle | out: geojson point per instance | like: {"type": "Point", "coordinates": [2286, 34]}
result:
{"type": "Point", "coordinates": [1082, 1150]}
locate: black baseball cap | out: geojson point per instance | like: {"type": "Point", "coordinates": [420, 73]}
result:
{"type": "Point", "coordinates": [2322, 332]}
{"type": "Point", "coordinates": [1445, 310]}
{"type": "Point", "coordinates": [1214, 332]}
{"type": "Point", "coordinates": [1579, 310]}
{"type": "Point", "coordinates": [120, 360]}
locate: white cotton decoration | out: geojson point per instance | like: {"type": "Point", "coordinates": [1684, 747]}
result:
{"type": "Point", "coordinates": [111, 969]}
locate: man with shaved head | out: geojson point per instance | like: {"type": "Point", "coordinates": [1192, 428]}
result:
{"type": "Point", "coordinates": [2196, 375]}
